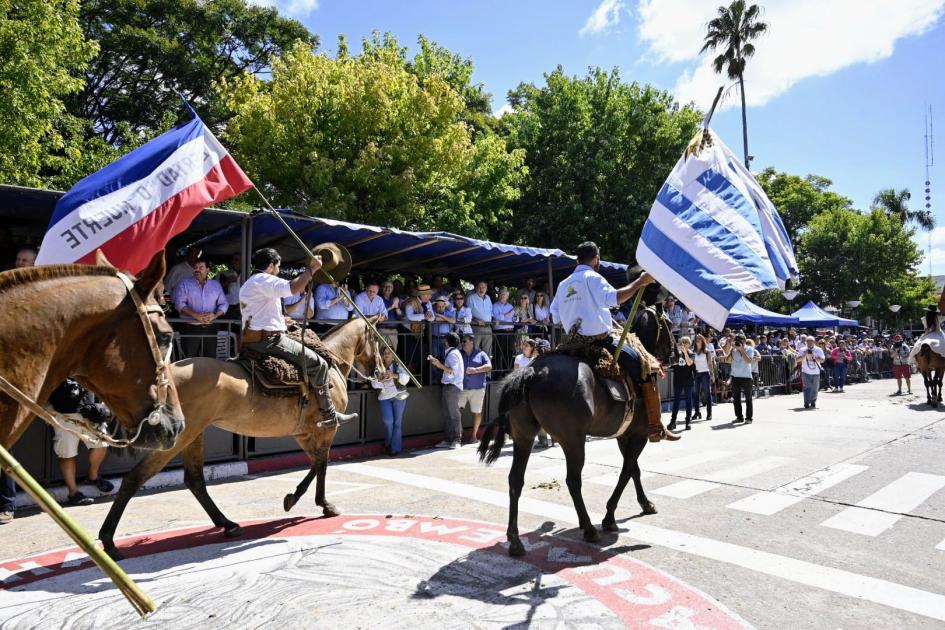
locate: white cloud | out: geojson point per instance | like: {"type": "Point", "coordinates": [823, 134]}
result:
{"type": "Point", "coordinates": [293, 8]}
{"type": "Point", "coordinates": [502, 111]}
{"type": "Point", "coordinates": [606, 15]}
{"type": "Point", "coordinates": [805, 38]}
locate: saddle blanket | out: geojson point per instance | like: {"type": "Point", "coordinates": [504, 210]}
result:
{"type": "Point", "coordinates": [935, 341]}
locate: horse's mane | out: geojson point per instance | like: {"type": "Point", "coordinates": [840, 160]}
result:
{"type": "Point", "coordinates": [16, 277]}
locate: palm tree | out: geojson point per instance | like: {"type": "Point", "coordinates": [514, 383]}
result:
{"type": "Point", "coordinates": [733, 31]}
{"type": "Point", "coordinates": [896, 203]}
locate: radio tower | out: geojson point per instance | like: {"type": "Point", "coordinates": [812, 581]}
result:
{"type": "Point", "coordinates": [929, 163]}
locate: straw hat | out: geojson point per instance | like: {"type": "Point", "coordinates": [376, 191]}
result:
{"type": "Point", "coordinates": [424, 289]}
{"type": "Point", "coordinates": [336, 263]}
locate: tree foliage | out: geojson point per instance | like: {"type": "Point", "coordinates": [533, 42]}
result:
{"type": "Point", "coordinates": [151, 50]}
{"type": "Point", "coordinates": [597, 151]}
{"type": "Point", "coordinates": [800, 199]}
{"type": "Point", "coordinates": [41, 50]}
{"type": "Point", "coordinates": [896, 203]}
{"type": "Point", "coordinates": [373, 138]}
{"type": "Point", "coordinates": [846, 255]}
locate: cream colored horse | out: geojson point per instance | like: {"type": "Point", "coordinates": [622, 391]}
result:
{"type": "Point", "coordinates": [220, 393]}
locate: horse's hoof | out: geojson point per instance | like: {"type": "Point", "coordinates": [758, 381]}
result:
{"type": "Point", "coordinates": [516, 548]}
{"type": "Point", "coordinates": [609, 525]}
{"type": "Point", "coordinates": [648, 508]}
{"type": "Point", "coordinates": [114, 554]}
{"type": "Point", "coordinates": [232, 529]}
{"type": "Point", "coordinates": [289, 501]}
{"type": "Point", "coordinates": [330, 510]}
{"type": "Point", "coordinates": [592, 535]}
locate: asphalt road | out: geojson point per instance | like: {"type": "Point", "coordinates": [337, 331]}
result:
{"type": "Point", "coordinates": [831, 518]}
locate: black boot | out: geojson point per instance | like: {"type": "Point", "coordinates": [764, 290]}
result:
{"type": "Point", "coordinates": [672, 425]}
{"type": "Point", "coordinates": [330, 416]}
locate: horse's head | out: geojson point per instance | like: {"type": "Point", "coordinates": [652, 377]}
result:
{"type": "Point", "coordinates": [655, 332]}
{"type": "Point", "coordinates": [369, 351]}
{"type": "Point", "coordinates": [128, 363]}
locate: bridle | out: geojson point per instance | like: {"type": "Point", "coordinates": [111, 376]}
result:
{"type": "Point", "coordinates": [84, 428]}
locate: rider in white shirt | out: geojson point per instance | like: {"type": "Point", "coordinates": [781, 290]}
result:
{"type": "Point", "coordinates": [584, 299]}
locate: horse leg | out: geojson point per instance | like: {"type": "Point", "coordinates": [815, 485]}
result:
{"type": "Point", "coordinates": [521, 449]}
{"type": "Point", "coordinates": [197, 484]}
{"type": "Point", "coordinates": [318, 453]}
{"type": "Point", "coordinates": [130, 484]}
{"type": "Point", "coordinates": [328, 509]}
{"type": "Point", "coordinates": [927, 381]}
{"type": "Point", "coordinates": [630, 447]}
{"type": "Point", "coordinates": [574, 456]}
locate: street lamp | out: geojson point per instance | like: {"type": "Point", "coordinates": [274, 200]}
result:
{"type": "Point", "coordinates": [790, 294]}
{"type": "Point", "coordinates": [895, 310]}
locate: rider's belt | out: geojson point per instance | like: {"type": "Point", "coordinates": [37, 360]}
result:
{"type": "Point", "coordinates": [253, 336]}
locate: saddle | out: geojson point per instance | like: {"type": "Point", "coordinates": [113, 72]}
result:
{"type": "Point", "coordinates": [277, 377]}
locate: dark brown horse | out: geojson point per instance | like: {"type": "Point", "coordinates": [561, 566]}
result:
{"type": "Point", "coordinates": [221, 393]}
{"type": "Point", "coordinates": [561, 395]}
{"type": "Point", "coordinates": [86, 322]}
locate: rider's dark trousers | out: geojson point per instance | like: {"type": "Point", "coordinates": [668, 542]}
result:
{"type": "Point", "coordinates": [629, 358]}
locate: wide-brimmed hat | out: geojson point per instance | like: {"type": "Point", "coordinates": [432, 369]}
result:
{"type": "Point", "coordinates": [336, 263]}
{"type": "Point", "coordinates": [424, 289]}
{"type": "Point", "coordinates": [441, 298]}
{"type": "Point", "coordinates": [931, 308]}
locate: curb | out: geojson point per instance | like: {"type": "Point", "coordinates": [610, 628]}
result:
{"type": "Point", "coordinates": [228, 470]}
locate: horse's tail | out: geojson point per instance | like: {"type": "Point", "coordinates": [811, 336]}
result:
{"type": "Point", "coordinates": [512, 391]}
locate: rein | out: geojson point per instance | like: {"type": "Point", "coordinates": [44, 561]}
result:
{"type": "Point", "coordinates": [87, 430]}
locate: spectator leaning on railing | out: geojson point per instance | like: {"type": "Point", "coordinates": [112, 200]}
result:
{"type": "Point", "coordinates": [503, 319]}
{"type": "Point", "coordinates": [200, 300]}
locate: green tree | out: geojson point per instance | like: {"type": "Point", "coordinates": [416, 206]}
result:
{"type": "Point", "coordinates": [363, 138]}
{"type": "Point", "coordinates": [800, 199]}
{"type": "Point", "coordinates": [150, 50]}
{"type": "Point", "coordinates": [845, 255]}
{"type": "Point", "coordinates": [732, 32]}
{"type": "Point", "coordinates": [896, 203]}
{"type": "Point", "coordinates": [597, 150]}
{"type": "Point", "coordinates": [41, 50]}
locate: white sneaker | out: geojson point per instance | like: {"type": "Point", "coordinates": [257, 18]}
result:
{"type": "Point", "coordinates": [455, 445]}
{"type": "Point", "coordinates": [5, 517]}
{"type": "Point", "coordinates": [444, 444]}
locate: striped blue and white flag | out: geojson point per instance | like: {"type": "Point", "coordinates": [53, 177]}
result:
{"type": "Point", "coordinates": [713, 235]}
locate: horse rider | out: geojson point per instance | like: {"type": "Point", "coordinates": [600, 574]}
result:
{"type": "Point", "coordinates": [584, 299]}
{"type": "Point", "coordinates": [264, 324]}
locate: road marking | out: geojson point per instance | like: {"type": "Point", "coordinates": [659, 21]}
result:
{"type": "Point", "coordinates": [666, 468]}
{"type": "Point", "coordinates": [882, 509]}
{"type": "Point", "coordinates": [768, 503]}
{"type": "Point", "coordinates": [891, 594]}
{"type": "Point", "coordinates": [941, 545]}
{"type": "Point", "coordinates": [692, 487]}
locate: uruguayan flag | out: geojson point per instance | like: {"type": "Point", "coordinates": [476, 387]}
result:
{"type": "Point", "coordinates": [713, 235]}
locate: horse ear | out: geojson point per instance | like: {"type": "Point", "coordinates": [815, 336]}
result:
{"type": "Point", "coordinates": [101, 260]}
{"type": "Point", "coordinates": [151, 276]}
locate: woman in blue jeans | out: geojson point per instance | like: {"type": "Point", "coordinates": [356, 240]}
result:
{"type": "Point", "coordinates": [841, 359]}
{"type": "Point", "coordinates": [393, 401]}
{"type": "Point", "coordinates": [703, 362]}
{"type": "Point", "coordinates": [682, 381]}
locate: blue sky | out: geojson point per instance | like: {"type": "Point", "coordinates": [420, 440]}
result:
{"type": "Point", "coordinates": [838, 87]}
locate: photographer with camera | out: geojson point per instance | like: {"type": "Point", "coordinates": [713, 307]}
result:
{"type": "Point", "coordinates": [740, 357]}
{"type": "Point", "coordinates": [809, 359]}
{"type": "Point", "coordinates": [900, 359]}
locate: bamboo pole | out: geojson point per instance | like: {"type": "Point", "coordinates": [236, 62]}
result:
{"type": "Point", "coordinates": [628, 323]}
{"type": "Point", "coordinates": [143, 604]}
{"type": "Point", "coordinates": [357, 310]}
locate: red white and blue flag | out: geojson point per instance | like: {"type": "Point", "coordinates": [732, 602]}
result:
{"type": "Point", "coordinates": [131, 208]}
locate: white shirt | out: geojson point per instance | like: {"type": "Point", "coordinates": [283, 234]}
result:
{"type": "Point", "coordinates": [388, 388]}
{"type": "Point", "coordinates": [809, 365]}
{"type": "Point", "coordinates": [260, 301]}
{"type": "Point", "coordinates": [177, 273]}
{"type": "Point", "coordinates": [587, 296]}
{"type": "Point", "coordinates": [454, 361]}
{"type": "Point", "coordinates": [521, 361]}
{"type": "Point", "coordinates": [800, 343]}
{"type": "Point", "coordinates": [701, 360]}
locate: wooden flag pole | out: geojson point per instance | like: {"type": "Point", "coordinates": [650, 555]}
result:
{"type": "Point", "coordinates": [629, 322]}
{"type": "Point", "coordinates": [143, 604]}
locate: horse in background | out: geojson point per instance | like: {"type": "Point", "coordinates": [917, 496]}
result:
{"type": "Point", "coordinates": [561, 394]}
{"type": "Point", "coordinates": [222, 394]}
{"type": "Point", "coordinates": [932, 367]}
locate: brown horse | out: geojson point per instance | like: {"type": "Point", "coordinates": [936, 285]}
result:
{"type": "Point", "coordinates": [91, 323]}
{"type": "Point", "coordinates": [221, 393]}
{"type": "Point", "coordinates": [932, 366]}
{"type": "Point", "coordinates": [561, 395]}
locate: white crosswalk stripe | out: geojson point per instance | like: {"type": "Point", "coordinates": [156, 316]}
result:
{"type": "Point", "coordinates": [768, 503]}
{"type": "Point", "coordinates": [941, 545]}
{"type": "Point", "coordinates": [882, 509]}
{"type": "Point", "coordinates": [667, 467]}
{"type": "Point", "coordinates": [692, 487]}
